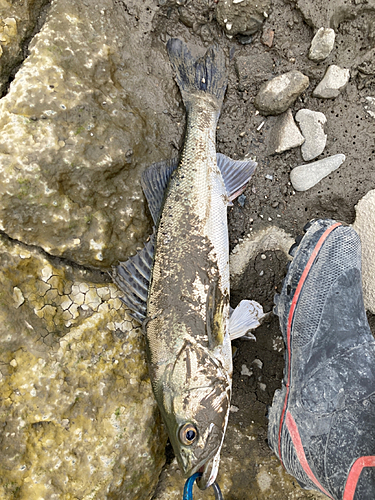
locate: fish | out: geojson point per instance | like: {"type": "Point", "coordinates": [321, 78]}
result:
{"type": "Point", "coordinates": [178, 286]}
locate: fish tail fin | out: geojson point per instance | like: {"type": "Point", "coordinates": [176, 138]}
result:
{"type": "Point", "coordinates": [207, 74]}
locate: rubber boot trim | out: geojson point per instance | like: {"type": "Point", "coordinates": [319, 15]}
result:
{"type": "Point", "coordinates": [354, 474]}
{"type": "Point", "coordinates": [296, 439]}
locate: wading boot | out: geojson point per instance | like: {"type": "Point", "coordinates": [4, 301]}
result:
{"type": "Point", "coordinates": [322, 421]}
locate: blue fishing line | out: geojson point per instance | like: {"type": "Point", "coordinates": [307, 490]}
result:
{"type": "Point", "coordinates": [188, 488]}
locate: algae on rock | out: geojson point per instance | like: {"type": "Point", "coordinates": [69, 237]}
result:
{"type": "Point", "coordinates": [80, 122]}
{"type": "Point", "coordinates": [78, 416]}
{"type": "Point", "coordinates": [18, 20]}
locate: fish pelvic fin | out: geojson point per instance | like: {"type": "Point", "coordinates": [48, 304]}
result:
{"type": "Point", "coordinates": [245, 317]}
{"type": "Point", "coordinates": [207, 74]}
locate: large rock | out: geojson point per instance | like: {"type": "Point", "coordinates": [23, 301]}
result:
{"type": "Point", "coordinates": [18, 20]}
{"type": "Point", "coordinates": [365, 226]}
{"type": "Point", "coordinates": [277, 95]}
{"type": "Point", "coordinates": [78, 415]}
{"type": "Point", "coordinates": [77, 129]}
{"type": "Point", "coordinates": [331, 14]}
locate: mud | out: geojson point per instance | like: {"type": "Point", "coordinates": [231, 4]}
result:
{"type": "Point", "coordinates": [350, 130]}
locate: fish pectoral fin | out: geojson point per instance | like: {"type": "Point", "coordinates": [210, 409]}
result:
{"type": "Point", "coordinates": [245, 317]}
{"type": "Point", "coordinates": [133, 277]}
{"type": "Point", "coordinates": [236, 174]}
{"type": "Point", "coordinates": [154, 183]}
{"type": "Point", "coordinates": [215, 305]}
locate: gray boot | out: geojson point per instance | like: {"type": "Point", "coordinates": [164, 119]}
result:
{"type": "Point", "coordinates": [322, 421]}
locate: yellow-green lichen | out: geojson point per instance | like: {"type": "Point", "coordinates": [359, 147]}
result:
{"type": "Point", "coordinates": [76, 135]}
{"type": "Point", "coordinates": [78, 417]}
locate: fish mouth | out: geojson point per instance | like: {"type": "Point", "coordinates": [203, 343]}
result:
{"type": "Point", "coordinates": [209, 472]}
{"type": "Point", "coordinates": [208, 469]}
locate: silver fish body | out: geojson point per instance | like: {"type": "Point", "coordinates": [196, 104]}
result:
{"type": "Point", "coordinates": [188, 305]}
{"type": "Point", "coordinates": [187, 313]}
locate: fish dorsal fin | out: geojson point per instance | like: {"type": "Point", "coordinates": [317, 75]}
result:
{"type": "Point", "coordinates": [245, 317]}
{"type": "Point", "coordinates": [236, 174]}
{"type": "Point", "coordinates": [154, 182]}
{"type": "Point", "coordinates": [133, 277]}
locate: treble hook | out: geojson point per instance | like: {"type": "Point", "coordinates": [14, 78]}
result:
{"type": "Point", "coordinates": [188, 488]}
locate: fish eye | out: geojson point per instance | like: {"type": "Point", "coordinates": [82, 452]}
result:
{"type": "Point", "coordinates": [188, 434]}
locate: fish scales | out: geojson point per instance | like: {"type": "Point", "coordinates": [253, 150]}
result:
{"type": "Point", "coordinates": [192, 242]}
{"type": "Point", "coordinates": [188, 343]}
{"type": "Point", "coordinates": [186, 320]}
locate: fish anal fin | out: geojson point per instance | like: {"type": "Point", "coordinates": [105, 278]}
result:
{"type": "Point", "coordinates": [245, 317]}
{"type": "Point", "coordinates": [154, 183]}
{"type": "Point", "coordinates": [236, 174]}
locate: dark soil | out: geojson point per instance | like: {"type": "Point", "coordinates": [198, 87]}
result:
{"type": "Point", "coordinates": [350, 130]}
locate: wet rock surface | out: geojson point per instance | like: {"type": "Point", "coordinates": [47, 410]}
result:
{"type": "Point", "coordinates": [332, 13]}
{"type": "Point", "coordinates": [78, 415]}
{"type": "Point", "coordinates": [102, 69]}
{"type": "Point", "coordinates": [74, 133]}
{"type": "Point", "coordinates": [19, 21]}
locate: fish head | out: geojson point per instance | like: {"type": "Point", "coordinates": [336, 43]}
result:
{"type": "Point", "coordinates": [195, 406]}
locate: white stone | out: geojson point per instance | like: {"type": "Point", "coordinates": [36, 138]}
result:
{"type": "Point", "coordinates": [246, 371]}
{"type": "Point", "coordinates": [322, 44]}
{"type": "Point", "coordinates": [258, 363]}
{"type": "Point", "coordinates": [370, 106]}
{"type": "Point", "coordinates": [305, 177]}
{"type": "Point", "coordinates": [365, 226]}
{"type": "Point", "coordinates": [334, 81]}
{"type": "Point", "coordinates": [18, 297]}
{"type": "Point", "coordinates": [285, 134]}
{"type": "Point", "coordinates": [312, 127]}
